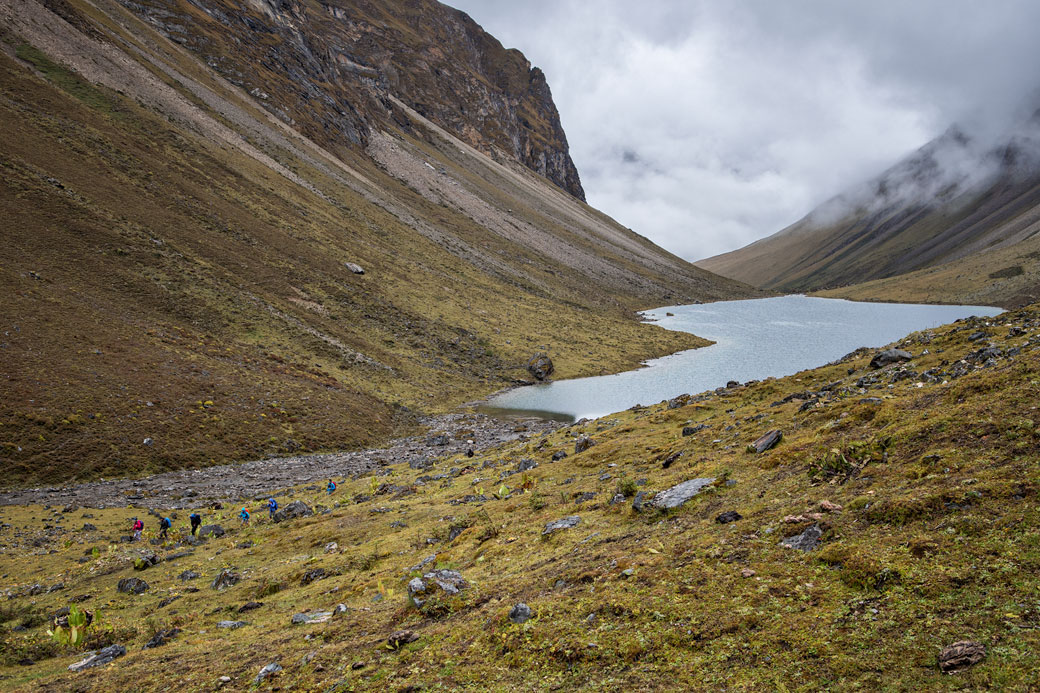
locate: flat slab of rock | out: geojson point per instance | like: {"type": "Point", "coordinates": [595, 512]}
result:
{"type": "Point", "coordinates": [97, 659]}
{"type": "Point", "coordinates": [565, 523]}
{"type": "Point", "coordinates": [313, 617]}
{"type": "Point", "coordinates": [766, 442]}
{"type": "Point", "coordinates": [889, 356]}
{"type": "Point", "coordinates": [806, 541]}
{"type": "Point", "coordinates": [680, 493]}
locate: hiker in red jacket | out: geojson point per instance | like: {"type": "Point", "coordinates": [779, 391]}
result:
{"type": "Point", "coordinates": [138, 528]}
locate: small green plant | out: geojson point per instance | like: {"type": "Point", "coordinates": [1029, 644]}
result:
{"type": "Point", "coordinates": [536, 501]}
{"type": "Point", "coordinates": [627, 487]}
{"type": "Point", "coordinates": [502, 492]}
{"type": "Point", "coordinates": [76, 633]}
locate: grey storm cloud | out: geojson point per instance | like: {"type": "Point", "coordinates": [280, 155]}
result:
{"type": "Point", "coordinates": [707, 125]}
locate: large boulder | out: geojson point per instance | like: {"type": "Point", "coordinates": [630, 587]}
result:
{"type": "Point", "coordinates": [889, 356]}
{"type": "Point", "coordinates": [132, 586]}
{"type": "Point", "coordinates": [292, 511]}
{"type": "Point", "coordinates": [680, 493]}
{"type": "Point", "coordinates": [225, 579]}
{"type": "Point", "coordinates": [540, 366]}
{"type": "Point", "coordinates": [211, 531]}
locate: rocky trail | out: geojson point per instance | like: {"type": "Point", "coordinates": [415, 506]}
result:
{"type": "Point", "coordinates": [449, 434]}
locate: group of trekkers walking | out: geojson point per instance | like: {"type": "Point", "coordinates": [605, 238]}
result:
{"type": "Point", "coordinates": [196, 519]}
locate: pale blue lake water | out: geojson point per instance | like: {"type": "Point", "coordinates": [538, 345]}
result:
{"type": "Point", "coordinates": [755, 339]}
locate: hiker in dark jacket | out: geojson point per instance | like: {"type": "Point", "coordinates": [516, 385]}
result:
{"type": "Point", "coordinates": [164, 526]}
{"type": "Point", "coordinates": [196, 520]}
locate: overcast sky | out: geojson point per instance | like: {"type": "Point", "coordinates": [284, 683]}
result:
{"type": "Point", "coordinates": [705, 125]}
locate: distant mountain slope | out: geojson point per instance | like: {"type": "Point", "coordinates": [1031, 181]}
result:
{"type": "Point", "coordinates": [179, 262]}
{"type": "Point", "coordinates": [944, 203]}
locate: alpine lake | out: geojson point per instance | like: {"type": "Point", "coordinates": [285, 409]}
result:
{"type": "Point", "coordinates": [754, 339]}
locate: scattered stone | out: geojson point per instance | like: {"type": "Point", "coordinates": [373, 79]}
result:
{"type": "Point", "coordinates": [340, 610]}
{"type": "Point", "coordinates": [398, 639]}
{"type": "Point", "coordinates": [313, 617]}
{"type": "Point", "coordinates": [161, 638]}
{"type": "Point", "coordinates": [565, 523]}
{"type": "Point", "coordinates": [146, 561]}
{"type": "Point", "coordinates": [747, 573]}
{"type": "Point", "coordinates": [729, 516]}
{"type": "Point", "coordinates": [961, 655]}
{"type": "Point", "coordinates": [680, 493]}
{"type": "Point", "coordinates": [331, 547]}
{"type": "Point", "coordinates": [272, 668]}
{"type": "Point", "coordinates": [582, 444]}
{"type": "Point", "coordinates": [639, 501]}
{"type": "Point", "coordinates": [249, 606]}
{"type": "Point", "coordinates": [353, 267]}
{"type": "Point", "coordinates": [520, 613]}
{"type": "Point", "coordinates": [313, 576]}
{"type": "Point", "coordinates": [627, 573]}
{"type": "Point", "coordinates": [357, 665]}
{"type": "Point", "coordinates": [540, 366]}
{"type": "Point", "coordinates": [166, 601]}
{"type": "Point", "coordinates": [889, 356]}
{"type": "Point", "coordinates": [87, 527]}
{"type": "Point", "coordinates": [188, 575]}
{"type": "Point", "coordinates": [97, 659]}
{"type": "Point", "coordinates": [690, 430]}
{"type": "Point", "coordinates": [671, 459]}
{"type": "Point", "coordinates": [450, 582]}
{"type": "Point", "coordinates": [582, 497]}
{"type": "Point", "coordinates": [132, 586]}
{"type": "Point", "coordinates": [618, 499]}
{"type": "Point", "coordinates": [558, 455]}
{"type": "Point", "coordinates": [829, 507]}
{"type": "Point", "coordinates": [766, 442]}
{"type": "Point", "coordinates": [211, 530]}
{"type": "Point", "coordinates": [225, 579]}
{"type": "Point", "coordinates": [231, 625]}
{"type": "Point", "coordinates": [806, 541]}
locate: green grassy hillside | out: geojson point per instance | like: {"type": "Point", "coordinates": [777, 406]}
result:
{"type": "Point", "coordinates": [921, 480]}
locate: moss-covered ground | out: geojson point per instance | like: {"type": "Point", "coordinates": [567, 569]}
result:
{"type": "Point", "coordinates": [933, 464]}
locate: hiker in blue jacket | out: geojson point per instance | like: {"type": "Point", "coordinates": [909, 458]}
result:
{"type": "Point", "coordinates": [272, 506]}
{"type": "Point", "coordinates": [331, 487]}
{"type": "Point", "coordinates": [244, 516]}
{"type": "Point", "coordinates": [164, 525]}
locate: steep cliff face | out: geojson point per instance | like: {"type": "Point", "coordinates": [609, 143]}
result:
{"type": "Point", "coordinates": [328, 68]}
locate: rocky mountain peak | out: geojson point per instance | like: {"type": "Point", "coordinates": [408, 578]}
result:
{"type": "Point", "coordinates": [330, 68]}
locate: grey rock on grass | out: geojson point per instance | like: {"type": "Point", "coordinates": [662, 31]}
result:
{"type": "Point", "coordinates": [806, 541]}
{"type": "Point", "coordinates": [97, 659]}
{"type": "Point", "coordinates": [565, 523]}
{"type": "Point", "coordinates": [680, 493]}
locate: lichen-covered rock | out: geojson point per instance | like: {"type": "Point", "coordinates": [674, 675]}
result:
{"type": "Point", "coordinates": [680, 493]}
{"type": "Point", "coordinates": [449, 582]}
{"type": "Point", "coordinates": [225, 579]}
{"type": "Point", "coordinates": [540, 366]}
{"type": "Point", "coordinates": [961, 655]}
{"type": "Point", "coordinates": [582, 444]}
{"type": "Point", "coordinates": [806, 541]}
{"type": "Point", "coordinates": [312, 617]}
{"type": "Point", "coordinates": [399, 638]}
{"type": "Point", "coordinates": [211, 531]}
{"type": "Point", "coordinates": [520, 613]}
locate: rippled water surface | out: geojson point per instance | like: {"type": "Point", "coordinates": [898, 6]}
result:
{"type": "Point", "coordinates": [754, 339]}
